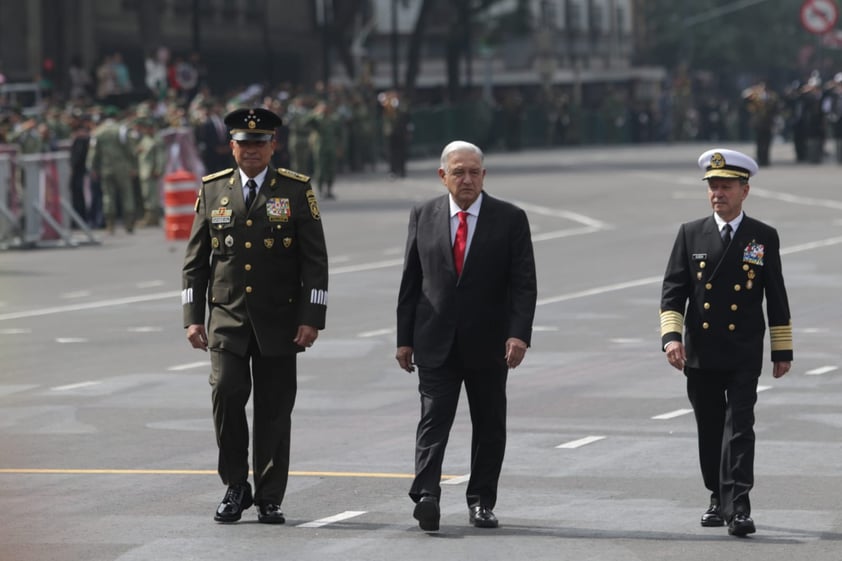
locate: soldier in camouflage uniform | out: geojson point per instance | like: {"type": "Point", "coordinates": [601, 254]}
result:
{"type": "Point", "coordinates": [112, 161]}
{"type": "Point", "coordinates": [151, 166]}
{"type": "Point", "coordinates": [325, 139]}
{"type": "Point", "coordinates": [298, 121]}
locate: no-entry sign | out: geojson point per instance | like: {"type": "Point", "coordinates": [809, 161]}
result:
{"type": "Point", "coordinates": [819, 16]}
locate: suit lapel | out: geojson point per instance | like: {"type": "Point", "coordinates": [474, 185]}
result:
{"type": "Point", "coordinates": [441, 225]}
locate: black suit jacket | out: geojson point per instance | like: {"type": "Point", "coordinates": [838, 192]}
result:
{"type": "Point", "coordinates": [722, 290]}
{"type": "Point", "coordinates": [492, 300]}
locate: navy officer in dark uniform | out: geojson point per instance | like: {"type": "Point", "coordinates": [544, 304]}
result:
{"type": "Point", "coordinates": [724, 265]}
{"type": "Point", "coordinates": [256, 258]}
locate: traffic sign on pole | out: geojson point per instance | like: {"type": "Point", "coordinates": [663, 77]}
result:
{"type": "Point", "coordinates": [819, 16]}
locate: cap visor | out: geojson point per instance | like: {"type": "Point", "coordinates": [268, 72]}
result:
{"type": "Point", "coordinates": [250, 136]}
{"type": "Point", "coordinates": [726, 173]}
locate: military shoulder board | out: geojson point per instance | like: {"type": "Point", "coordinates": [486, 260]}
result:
{"type": "Point", "coordinates": [216, 175]}
{"type": "Point", "coordinates": [293, 175]}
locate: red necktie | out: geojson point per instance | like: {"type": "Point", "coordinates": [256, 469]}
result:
{"type": "Point", "coordinates": [461, 242]}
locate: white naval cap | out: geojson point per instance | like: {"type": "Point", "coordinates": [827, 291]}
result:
{"type": "Point", "coordinates": [722, 162]}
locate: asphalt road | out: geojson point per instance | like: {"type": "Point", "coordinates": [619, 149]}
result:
{"type": "Point", "coordinates": [106, 444]}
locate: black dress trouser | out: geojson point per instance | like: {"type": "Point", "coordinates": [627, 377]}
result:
{"type": "Point", "coordinates": [439, 390]}
{"type": "Point", "coordinates": [723, 403]}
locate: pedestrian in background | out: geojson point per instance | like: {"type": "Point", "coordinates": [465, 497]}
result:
{"type": "Point", "coordinates": [257, 259]}
{"type": "Point", "coordinates": [465, 319]}
{"type": "Point", "coordinates": [720, 269]}
{"type": "Point", "coordinates": [151, 166]}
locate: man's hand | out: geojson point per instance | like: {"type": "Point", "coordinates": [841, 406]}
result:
{"type": "Point", "coordinates": [780, 368]}
{"type": "Point", "coordinates": [515, 351]}
{"type": "Point", "coordinates": [676, 354]}
{"type": "Point", "coordinates": [404, 358]}
{"type": "Point", "coordinates": [197, 336]}
{"type": "Point", "coordinates": [306, 336]}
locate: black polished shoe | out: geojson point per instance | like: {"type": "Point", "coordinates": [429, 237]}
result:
{"type": "Point", "coordinates": [741, 524]}
{"type": "Point", "coordinates": [712, 518]}
{"type": "Point", "coordinates": [270, 513]}
{"type": "Point", "coordinates": [482, 517]}
{"type": "Point", "coordinates": [236, 500]}
{"type": "Point", "coordinates": [427, 513]}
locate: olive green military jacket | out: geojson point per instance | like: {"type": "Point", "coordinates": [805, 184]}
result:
{"type": "Point", "coordinates": [263, 270]}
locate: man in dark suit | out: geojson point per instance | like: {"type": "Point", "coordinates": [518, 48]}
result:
{"type": "Point", "coordinates": [212, 138]}
{"type": "Point", "coordinates": [724, 265]}
{"type": "Point", "coordinates": [465, 309]}
{"type": "Point", "coordinates": [256, 256]}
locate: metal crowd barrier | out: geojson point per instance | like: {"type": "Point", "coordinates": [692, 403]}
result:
{"type": "Point", "coordinates": [35, 207]}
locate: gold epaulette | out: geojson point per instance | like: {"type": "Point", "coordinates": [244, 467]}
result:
{"type": "Point", "coordinates": [213, 176]}
{"type": "Point", "coordinates": [293, 175]}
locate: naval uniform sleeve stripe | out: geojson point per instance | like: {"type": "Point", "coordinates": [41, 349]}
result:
{"type": "Point", "coordinates": [671, 322]}
{"type": "Point", "coordinates": [780, 337]}
{"type": "Point", "coordinates": [187, 296]}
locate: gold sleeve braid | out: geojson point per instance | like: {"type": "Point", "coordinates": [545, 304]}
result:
{"type": "Point", "coordinates": [671, 322]}
{"type": "Point", "coordinates": [780, 336]}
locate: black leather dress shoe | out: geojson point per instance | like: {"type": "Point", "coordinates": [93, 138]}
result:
{"type": "Point", "coordinates": [482, 517]}
{"type": "Point", "coordinates": [427, 513]}
{"type": "Point", "coordinates": [712, 517]}
{"type": "Point", "coordinates": [236, 500]}
{"type": "Point", "coordinates": [270, 513]}
{"type": "Point", "coordinates": [741, 524]}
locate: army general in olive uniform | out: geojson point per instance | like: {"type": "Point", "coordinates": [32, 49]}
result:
{"type": "Point", "coordinates": [256, 258]}
{"type": "Point", "coordinates": [724, 265]}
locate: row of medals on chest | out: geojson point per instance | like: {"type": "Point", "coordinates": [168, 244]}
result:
{"type": "Point", "coordinates": [268, 242]}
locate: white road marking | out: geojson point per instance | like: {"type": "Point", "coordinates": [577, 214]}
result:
{"type": "Point", "coordinates": [92, 305]}
{"type": "Point", "coordinates": [75, 386]}
{"type": "Point", "coordinates": [563, 234]}
{"type": "Point", "coordinates": [456, 480]}
{"type": "Point", "coordinates": [364, 267]}
{"type": "Point", "coordinates": [65, 340]}
{"type": "Point", "coordinates": [763, 388]}
{"type": "Point", "coordinates": [148, 329]}
{"type": "Point", "coordinates": [581, 442]}
{"type": "Point", "coordinates": [821, 370]}
{"type": "Point", "coordinates": [672, 414]}
{"type": "Point", "coordinates": [539, 328]}
{"type": "Point", "coordinates": [188, 366]}
{"type": "Point", "coordinates": [77, 294]}
{"type": "Point", "coordinates": [331, 519]}
{"type": "Point", "coordinates": [376, 333]}
{"type": "Point", "coordinates": [599, 290]}
{"type": "Point", "coordinates": [15, 331]}
{"type": "Point", "coordinates": [150, 284]}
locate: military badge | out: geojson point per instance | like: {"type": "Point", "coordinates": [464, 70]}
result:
{"type": "Point", "coordinates": [751, 274]}
{"type": "Point", "coordinates": [224, 201]}
{"type": "Point", "coordinates": [287, 242]}
{"type": "Point", "coordinates": [314, 206]}
{"type": "Point", "coordinates": [749, 284]}
{"type": "Point", "coordinates": [229, 241]}
{"type": "Point", "coordinates": [269, 242]}
{"type": "Point", "coordinates": [699, 256]}
{"type": "Point", "coordinates": [221, 216]}
{"type": "Point", "coordinates": [753, 253]}
{"type": "Point", "coordinates": [277, 209]}
{"type": "Point", "coordinates": [717, 161]}
{"type": "Point", "coordinates": [215, 243]}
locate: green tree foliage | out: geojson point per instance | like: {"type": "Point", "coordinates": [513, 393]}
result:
{"type": "Point", "coordinates": [761, 38]}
